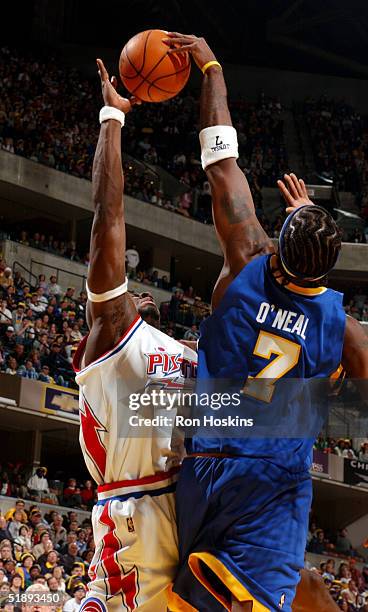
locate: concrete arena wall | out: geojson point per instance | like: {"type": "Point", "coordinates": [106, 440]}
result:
{"type": "Point", "coordinates": [27, 179]}
{"type": "Point", "coordinates": [69, 273]}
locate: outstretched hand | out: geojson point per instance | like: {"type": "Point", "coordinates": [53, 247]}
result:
{"type": "Point", "coordinates": [109, 93]}
{"type": "Point", "coordinates": [294, 192]}
{"type": "Point", "coordinates": [188, 43]}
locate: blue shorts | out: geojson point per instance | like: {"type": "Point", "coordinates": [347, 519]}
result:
{"type": "Point", "coordinates": [242, 532]}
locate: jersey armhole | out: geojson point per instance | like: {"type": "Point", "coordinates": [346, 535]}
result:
{"type": "Point", "coordinates": [121, 343]}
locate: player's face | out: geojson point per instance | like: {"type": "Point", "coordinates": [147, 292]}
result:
{"type": "Point", "coordinates": [146, 306]}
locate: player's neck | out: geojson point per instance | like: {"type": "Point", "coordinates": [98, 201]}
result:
{"type": "Point", "coordinates": [284, 280]}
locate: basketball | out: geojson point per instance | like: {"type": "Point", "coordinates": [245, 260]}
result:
{"type": "Point", "coordinates": [148, 71]}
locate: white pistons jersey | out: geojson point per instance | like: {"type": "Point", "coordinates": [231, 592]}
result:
{"type": "Point", "coordinates": [134, 465]}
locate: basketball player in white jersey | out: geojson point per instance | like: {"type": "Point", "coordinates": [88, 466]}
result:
{"type": "Point", "coordinates": [134, 519]}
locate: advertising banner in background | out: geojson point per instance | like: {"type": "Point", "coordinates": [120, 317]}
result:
{"type": "Point", "coordinates": [320, 462]}
{"type": "Point", "coordinates": [355, 472]}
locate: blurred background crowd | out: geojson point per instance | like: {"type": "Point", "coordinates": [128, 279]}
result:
{"type": "Point", "coordinates": [34, 125]}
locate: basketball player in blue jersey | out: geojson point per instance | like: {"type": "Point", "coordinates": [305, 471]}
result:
{"type": "Point", "coordinates": [243, 503]}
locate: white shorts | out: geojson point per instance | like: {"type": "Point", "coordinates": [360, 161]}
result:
{"type": "Point", "coordinates": [136, 556]}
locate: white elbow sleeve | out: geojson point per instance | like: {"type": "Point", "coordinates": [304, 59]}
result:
{"type": "Point", "coordinates": [218, 142]}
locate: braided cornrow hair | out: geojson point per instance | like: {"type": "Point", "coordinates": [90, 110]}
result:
{"type": "Point", "coordinates": [311, 243]}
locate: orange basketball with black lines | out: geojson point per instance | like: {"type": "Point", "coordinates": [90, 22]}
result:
{"type": "Point", "coordinates": [148, 71]}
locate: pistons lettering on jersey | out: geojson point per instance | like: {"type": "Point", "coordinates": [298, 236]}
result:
{"type": "Point", "coordinates": [163, 363]}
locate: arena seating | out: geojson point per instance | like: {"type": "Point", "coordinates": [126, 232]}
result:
{"type": "Point", "coordinates": [34, 125]}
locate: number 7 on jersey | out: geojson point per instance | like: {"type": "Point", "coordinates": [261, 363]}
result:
{"type": "Point", "coordinates": [267, 345]}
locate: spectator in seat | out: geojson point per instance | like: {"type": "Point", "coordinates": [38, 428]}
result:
{"type": "Point", "coordinates": [343, 543]}
{"type": "Point", "coordinates": [351, 593]}
{"type": "Point", "coordinates": [15, 524]}
{"type": "Point", "coordinates": [9, 566]}
{"type": "Point", "coordinates": [132, 259]}
{"type": "Point", "coordinates": [6, 279]}
{"type": "Point", "coordinates": [18, 486]}
{"type": "Point", "coordinates": [71, 538]}
{"type": "Point", "coordinates": [9, 340]}
{"type": "Point", "coordinates": [58, 364]}
{"type": "Point", "coordinates": [5, 550]}
{"type": "Point", "coordinates": [23, 538]}
{"type": "Point", "coordinates": [78, 575]}
{"type": "Point", "coordinates": [42, 281]}
{"type": "Point", "coordinates": [44, 375]}
{"type": "Point", "coordinates": [37, 485]}
{"type": "Point", "coordinates": [58, 574]}
{"type": "Point", "coordinates": [363, 453]}
{"type": "Point", "coordinates": [88, 495]}
{"type": "Point", "coordinates": [71, 495]}
{"type": "Point", "coordinates": [18, 316]}
{"type": "Point", "coordinates": [317, 544]}
{"type": "Point", "coordinates": [4, 531]}
{"type": "Point", "coordinates": [68, 560]}
{"type": "Point", "coordinates": [23, 569]}
{"type": "Point", "coordinates": [12, 366]}
{"type": "Point", "coordinates": [16, 584]}
{"type": "Point", "coordinates": [53, 289]}
{"type": "Point", "coordinates": [44, 546]}
{"type": "Point", "coordinates": [36, 305]}
{"type": "Point", "coordinates": [5, 486]}
{"type": "Point", "coordinates": [5, 314]}
{"type": "Point", "coordinates": [74, 604]}
{"type": "Point", "coordinates": [36, 521]}
{"type": "Point", "coordinates": [57, 531]}
{"type": "Point", "coordinates": [27, 370]}
{"type": "Point", "coordinates": [192, 333]}
{"type": "Point", "coordinates": [48, 561]}
{"type": "Point", "coordinates": [20, 504]}
{"type": "Point", "coordinates": [81, 540]}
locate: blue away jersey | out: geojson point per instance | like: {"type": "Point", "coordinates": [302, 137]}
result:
{"type": "Point", "coordinates": [263, 330]}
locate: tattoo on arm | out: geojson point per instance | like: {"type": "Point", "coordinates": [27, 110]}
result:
{"type": "Point", "coordinates": [118, 314]}
{"type": "Point", "coordinates": [234, 208]}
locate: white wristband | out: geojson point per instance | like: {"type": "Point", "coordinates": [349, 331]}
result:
{"type": "Point", "coordinates": [110, 112]}
{"type": "Point", "coordinates": [107, 295]}
{"type": "Point", "coordinates": [218, 142]}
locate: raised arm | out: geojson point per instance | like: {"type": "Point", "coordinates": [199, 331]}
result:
{"type": "Point", "coordinates": [240, 234]}
{"type": "Point", "coordinates": [108, 318]}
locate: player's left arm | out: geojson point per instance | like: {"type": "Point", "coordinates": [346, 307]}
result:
{"type": "Point", "coordinates": [240, 234]}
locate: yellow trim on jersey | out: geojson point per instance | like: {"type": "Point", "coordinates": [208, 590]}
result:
{"type": "Point", "coordinates": [337, 373]}
{"type": "Point", "coordinates": [218, 568]}
{"type": "Point", "coordinates": [176, 603]}
{"type": "Point", "coordinates": [298, 288]}
{"type": "Point", "coordinates": [305, 290]}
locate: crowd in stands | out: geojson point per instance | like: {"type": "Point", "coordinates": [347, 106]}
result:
{"type": "Point", "coordinates": [340, 145]}
{"type": "Point", "coordinates": [42, 325]}
{"type": "Point", "coordinates": [17, 480]}
{"type": "Point", "coordinates": [344, 447]}
{"type": "Point", "coordinates": [35, 125]}
{"type": "Point", "coordinates": [355, 299]}
{"type": "Point", "coordinates": [48, 550]}
{"type": "Point", "coordinates": [347, 584]}
{"type": "Point", "coordinates": [356, 304]}
{"type": "Point", "coordinates": [55, 549]}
